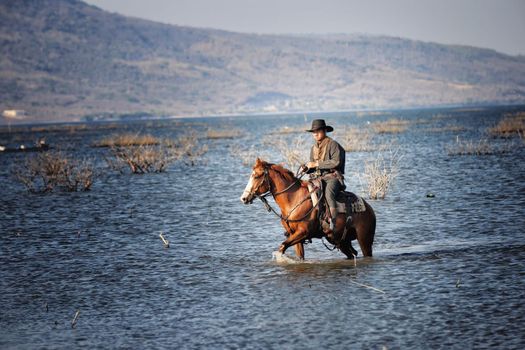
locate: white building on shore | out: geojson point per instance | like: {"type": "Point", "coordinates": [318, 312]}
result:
{"type": "Point", "coordinates": [14, 114]}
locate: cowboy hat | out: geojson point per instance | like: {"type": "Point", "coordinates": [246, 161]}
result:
{"type": "Point", "coordinates": [318, 124]}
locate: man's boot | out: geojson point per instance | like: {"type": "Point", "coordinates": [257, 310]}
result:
{"type": "Point", "coordinates": [333, 217]}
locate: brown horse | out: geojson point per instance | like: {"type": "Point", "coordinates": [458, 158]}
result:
{"type": "Point", "coordinates": [299, 217]}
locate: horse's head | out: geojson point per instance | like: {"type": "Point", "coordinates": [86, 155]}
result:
{"type": "Point", "coordinates": [259, 182]}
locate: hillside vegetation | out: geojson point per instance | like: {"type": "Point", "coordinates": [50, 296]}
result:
{"type": "Point", "coordinates": [64, 59]}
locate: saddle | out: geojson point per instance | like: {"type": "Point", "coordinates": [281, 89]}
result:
{"type": "Point", "coordinates": [348, 203]}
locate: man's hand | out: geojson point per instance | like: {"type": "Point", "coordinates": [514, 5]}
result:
{"type": "Point", "coordinates": [311, 165]}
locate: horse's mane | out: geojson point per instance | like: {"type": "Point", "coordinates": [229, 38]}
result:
{"type": "Point", "coordinates": [284, 173]}
{"type": "Point", "coordinates": [281, 171]}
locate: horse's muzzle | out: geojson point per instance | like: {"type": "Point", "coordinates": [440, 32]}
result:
{"type": "Point", "coordinates": [247, 198]}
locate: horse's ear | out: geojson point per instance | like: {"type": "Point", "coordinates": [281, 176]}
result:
{"type": "Point", "coordinates": [258, 161]}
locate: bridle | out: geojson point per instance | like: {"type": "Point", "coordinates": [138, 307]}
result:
{"type": "Point", "coordinates": [287, 219]}
{"type": "Point", "coordinates": [269, 184]}
{"type": "Point", "coordinates": [265, 180]}
{"type": "Point", "coordinates": [263, 199]}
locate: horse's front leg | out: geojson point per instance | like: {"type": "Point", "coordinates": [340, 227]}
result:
{"type": "Point", "coordinates": [299, 250]}
{"type": "Point", "coordinates": [296, 238]}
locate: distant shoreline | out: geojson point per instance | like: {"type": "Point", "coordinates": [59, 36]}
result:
{"type": "Point", "coordinates": [143, 117]}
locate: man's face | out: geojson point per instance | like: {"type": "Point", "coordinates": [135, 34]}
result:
{"type": "Point", "coordinates": [319, 135]}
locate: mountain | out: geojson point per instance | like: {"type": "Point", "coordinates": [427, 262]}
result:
{"type": "Point", "coordinates": [64, 59]}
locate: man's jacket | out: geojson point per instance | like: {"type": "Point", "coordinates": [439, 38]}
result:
{"type": "Point", "coordinates": [329, 154]}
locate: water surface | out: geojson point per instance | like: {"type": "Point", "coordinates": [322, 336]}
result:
{"type": "Point", "coordinates": [448, 272]}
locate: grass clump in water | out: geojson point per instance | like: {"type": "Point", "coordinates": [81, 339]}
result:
{"type": "Point", "coordinates": [390, 126]}
{"type": "Point", "coordinates": [360, 140]}
{"type": "Point", "coordinates": [447, 128]}
{"type": "Point", "coordinates": [216, 134]}
{"type": "Point", "coordinates": [356, 140]}
{"type": "Point", "coordinates": [128, 140]}
{"type": "Point", "coordinates": [511, 125]}
{"type": "Point", "coordinates": [475, 147]}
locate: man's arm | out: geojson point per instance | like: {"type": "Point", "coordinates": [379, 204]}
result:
{"type": "Point", "coordinates": [311, 164]}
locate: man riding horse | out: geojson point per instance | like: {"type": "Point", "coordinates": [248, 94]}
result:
{"type": "Point", "coordinates": [327, 161]}
{"type": "Point", "coordinates": [301, 206]}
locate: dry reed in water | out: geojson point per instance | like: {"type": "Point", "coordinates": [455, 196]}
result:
{"type": "Point", "coordinates": [355, 140]}
{"type": "Point", "coordinates": [359, 140]}
{"type": "Point", "coordinates": [143, 159]}
{"type": "Point", "coordinates": [511, 125]}
{"type": "Point", "coordinates": [128, 140]}
{"type": "Point", "coordinates": [45, 172]}
{"type": "Point", "coordinates": [471, 147]}
{"type": "Point", "coordinates": [247, 156]}
{"type": "Point", "coordinates": [223, 134]}
{"type": "Point", "coordinates": [187, 148]}
{"type": "Point", "coordinates": [366, 286]}
{"type": "Point", "coordinates": [447, 128]}
{"type": "Point", "coordinates": [291, 151]}
{"type": "Point", "coordinates": [289, 130]}
{"type": "Point", "coordinates": [380, 173]}
{"type": "Point", "coordinates": [75, 319]}
{"type": "Point", "coordinates": [390, 126]}
{"type": "Point", "coordinates": [156, 158]}
{"type": "Point", "coordinates": [164, 240]}
{"type": "Point", "coordinates": [441, 116]}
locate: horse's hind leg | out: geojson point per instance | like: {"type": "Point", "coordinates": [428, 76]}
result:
{"type": "Point", "coordinates": [347, 249]}
{"type": "Point", "coordinates": [365, 234]}
{"type": "Point", "coordinates": [366, 247]}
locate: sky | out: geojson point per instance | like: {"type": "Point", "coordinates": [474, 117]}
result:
{"type": "Point", "coordinates": [495, 24]}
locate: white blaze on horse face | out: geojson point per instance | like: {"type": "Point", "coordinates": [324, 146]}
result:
{"type": "Point", "coordinates": [247, 191]}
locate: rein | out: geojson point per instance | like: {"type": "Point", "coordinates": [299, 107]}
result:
{"type": "Point", "coordinates": [286, 219]}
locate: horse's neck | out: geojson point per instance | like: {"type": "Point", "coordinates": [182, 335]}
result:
{"type": "Point", "coordinates": [285, 200]}
{"type": "Point", "coordinates": [280, 185]}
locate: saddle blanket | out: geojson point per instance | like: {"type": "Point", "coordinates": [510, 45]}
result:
{"type": "Point", "coordinates": [350, 202]}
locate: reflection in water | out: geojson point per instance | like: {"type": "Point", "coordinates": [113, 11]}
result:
{"type": "Point", "coordinates": [449, 270]}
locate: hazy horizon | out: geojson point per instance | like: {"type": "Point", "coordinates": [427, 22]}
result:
{"type": "Point", "coordinates": [498, 25]}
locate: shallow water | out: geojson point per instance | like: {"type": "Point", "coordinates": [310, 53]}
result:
{"type": "Point", "coordinates": [448, 272]}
